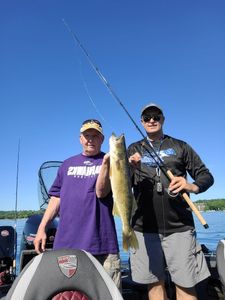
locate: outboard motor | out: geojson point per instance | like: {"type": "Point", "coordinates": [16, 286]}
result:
{"type": "Point", "coordinates": [27, 251]}
{"type": "Point", "coordinates": [220, 262]}
{"type": "Point", "coordinates": [7, 257]}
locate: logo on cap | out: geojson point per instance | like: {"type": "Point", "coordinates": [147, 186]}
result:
{"type": "Point", "coordinates": [67, 264]}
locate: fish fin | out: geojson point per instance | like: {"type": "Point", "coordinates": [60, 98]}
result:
{"type": "Point", "coordinates": [115, 210]}
{"type": "Point", "coordinates": [133, 241]}
{"type": "Point", "coordinates": [125, 242]}
{"type": "Point", "coordinates": [130, 241]}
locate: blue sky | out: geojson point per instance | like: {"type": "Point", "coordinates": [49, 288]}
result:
{"type": "Point", "coordinates": [168, 52]}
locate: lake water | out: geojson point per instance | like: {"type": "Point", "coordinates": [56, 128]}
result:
{"type": "Point", "coordinates": [210, 237]}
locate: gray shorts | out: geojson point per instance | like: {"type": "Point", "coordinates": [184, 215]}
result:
{"type": "Point", "coordinates": [111, 263]}
{"type": "Point", "coordinates": [179, 252]}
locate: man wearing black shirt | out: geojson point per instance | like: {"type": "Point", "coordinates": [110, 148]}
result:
{"type": "Point", "coordinates": [163, 221]}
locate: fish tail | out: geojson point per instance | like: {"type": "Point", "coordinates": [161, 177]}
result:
{"type": "Point", "coordinates": [133, 241]}
{"type": "Point", "coordinates": [130, 241]}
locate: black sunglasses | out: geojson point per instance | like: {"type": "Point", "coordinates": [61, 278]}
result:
{"type": "Point", "coordinates": [149, 117]}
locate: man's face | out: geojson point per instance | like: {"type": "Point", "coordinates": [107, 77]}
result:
{"type": "Point", "coordinates": [91, 141]}
{"type": "Point", "coordinates": [152, 121]}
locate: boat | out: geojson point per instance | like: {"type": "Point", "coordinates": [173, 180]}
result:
{"type": "Point", "coordinates": [8, 234]}
{"type": "Point", "coordinates": [31, 264]}
{"type": "Point", "coordinates": [7, 258]}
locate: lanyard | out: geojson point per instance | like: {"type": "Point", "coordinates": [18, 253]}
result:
{"type": "Point", "coordinates": [159, 186]}
{"type": "Point", "coordinates": [156, 150]}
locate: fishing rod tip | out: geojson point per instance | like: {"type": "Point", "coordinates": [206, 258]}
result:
{"type": "Point", "coordinates": [64, 21]}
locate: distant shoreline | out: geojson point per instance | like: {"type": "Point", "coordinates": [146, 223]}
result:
{"type": "Point", "coordinates": [202, 206]}
{"type": "Point", "coordinates": [22, 214]}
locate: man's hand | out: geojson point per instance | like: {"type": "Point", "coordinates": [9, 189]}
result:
{"type": "Point", "coordinates": [179, 184]}
{"type": "Point", "coordinates": [106, 160]}
{"type": "Point", "coordinates": [103, 185]}
{"type": "Point", "coordinates": [135, 159]}
{"type": "Point", "coordinates": [40, 241]}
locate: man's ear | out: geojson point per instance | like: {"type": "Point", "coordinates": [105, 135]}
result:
{"type": "Point", "coordinates": [80, 139]}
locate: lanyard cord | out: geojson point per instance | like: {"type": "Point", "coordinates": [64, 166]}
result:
{"type": "Point", "coordinates": [157, 169]}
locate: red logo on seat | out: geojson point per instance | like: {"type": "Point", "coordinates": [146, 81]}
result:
{"type": "Point", "coordinates": [68, 264]}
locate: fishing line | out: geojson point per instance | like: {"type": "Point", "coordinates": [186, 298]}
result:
{"type": "Point", "coordinates": [155, 155]}
{"type": "Point", "coordinates": [16, 201]}
{"type": "Point", "coordinates": [91, 99]}
{"type": "Point", "coordinates": [92, 102]}
{"type": "Point", "coordinates": [86, 85]}
{"type": "Point", "coordinates": [100, 75]}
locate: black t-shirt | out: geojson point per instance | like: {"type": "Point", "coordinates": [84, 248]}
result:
{"type": "Point", "coordinates": [158, 211]}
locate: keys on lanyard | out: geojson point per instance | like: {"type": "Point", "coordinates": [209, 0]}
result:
{"type": "Point", "coordinates": [159, 186]}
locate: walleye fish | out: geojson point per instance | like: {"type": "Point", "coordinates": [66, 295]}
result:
{"type": "Point", "coordinates": [121, 189]}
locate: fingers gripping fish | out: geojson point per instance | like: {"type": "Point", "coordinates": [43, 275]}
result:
{"type": "Point", "coordinates": [121, 189]}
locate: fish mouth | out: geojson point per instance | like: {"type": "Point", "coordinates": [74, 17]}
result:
{"type": "Point", "coordinates": [116, 138]}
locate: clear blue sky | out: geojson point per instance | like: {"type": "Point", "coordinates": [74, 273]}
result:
{"type": "Point", "coordinates": [169, 52]}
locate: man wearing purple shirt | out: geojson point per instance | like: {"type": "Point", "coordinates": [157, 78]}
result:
{"type": "Point", "coordinates": [86, 221]}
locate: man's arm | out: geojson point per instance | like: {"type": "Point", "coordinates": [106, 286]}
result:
{"type": "Point", "coordinates": [201, 175]}
{"type": "Point", "coordinates": [103, 185]}
{"type": "Point", "coordinates": [50, 213]}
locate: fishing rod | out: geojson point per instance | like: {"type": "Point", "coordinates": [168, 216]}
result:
{"type": "Point", "coordinates": [15, 215]}
{"type": "Point", "coordinates": [156, 157]}
{"type": "Point", "coordinates": [100, 75]}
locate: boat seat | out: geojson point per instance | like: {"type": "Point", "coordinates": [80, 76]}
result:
{"type": "Point", "coordinates": [220, 262]}
{"type": "Point", "coordinates": [7, 242]}
{"type": "Point", "coordinates": [64, 275]}
{"type": "Point", "coordinates": [70, 295]}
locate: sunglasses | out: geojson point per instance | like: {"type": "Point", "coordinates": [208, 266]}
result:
{"type": "Point", "coordinates": [151, 117]}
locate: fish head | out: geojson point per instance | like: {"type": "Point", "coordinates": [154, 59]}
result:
{"type": "Point", "coordinates": [117, 143]}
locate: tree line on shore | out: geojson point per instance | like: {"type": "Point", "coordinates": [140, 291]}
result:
{"type": "Point", "coordinates": [21, 214]}
{"type": "Point", "coordinates": [205, 205]}
{"type": "Point", "coordinates": [213, 204]}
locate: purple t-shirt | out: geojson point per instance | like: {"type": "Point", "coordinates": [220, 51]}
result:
{"type": "Point", "coordinates": [85, 221]}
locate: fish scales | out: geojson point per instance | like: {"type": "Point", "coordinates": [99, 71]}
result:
{"type": "Point", "coordinates": [121, 189]}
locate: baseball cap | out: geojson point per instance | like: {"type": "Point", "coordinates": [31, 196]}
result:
{"type": "Point", "coordinates": [151, 105]}
{"type": "Point", "coordinates": [91, 124]}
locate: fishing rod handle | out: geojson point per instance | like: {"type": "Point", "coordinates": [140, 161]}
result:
{"type": "Point", "coordinates": [190, 203]}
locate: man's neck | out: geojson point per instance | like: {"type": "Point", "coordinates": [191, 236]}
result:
{"type": "Point", "coordinates": [90, 153]}
{"type": "Point", "coordinates": [155, 136]}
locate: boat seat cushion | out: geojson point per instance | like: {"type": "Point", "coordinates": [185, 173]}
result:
{"type": "Point", "coordinates": [55, 271]}
{"type": "Point", "coordinates": [70, 295]}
